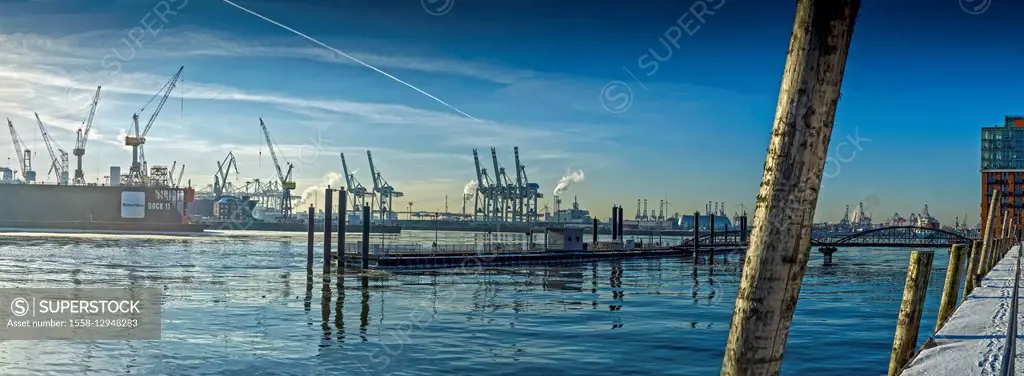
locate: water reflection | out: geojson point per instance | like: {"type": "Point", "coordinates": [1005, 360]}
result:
{"type": "Point", "coordinates": [485, 321]}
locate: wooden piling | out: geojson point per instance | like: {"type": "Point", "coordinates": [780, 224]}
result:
{"type": "Point", "coordinates": [621, 225]}
{"type": "Point", "coordinates": [1003, 229]}
{"type": "Point", "coordinates": [615, 223]}
{"type": "Point", "coordinates": [780, 243]}
{"type": "Point", "coordinates": [342, 222]}
{"type": "Point", "coordinates": [309, 238]}
{"type": "Point", "coordinates": [328, 219]}
{"type": "Point", "coordinates": [911, 308]}
{"type": "Point", "coordinates": [986, 245]}
{"type": "Point", "coordinates": [594, 241]}
{"type": "Point", "coordinates": [951, 289]}
{"type": "Point", "coordinates": [696, 235]}
{"type": "Point", "coordinates": [973, 266]}
{"type": "Point", "coordinates": [366, 238]}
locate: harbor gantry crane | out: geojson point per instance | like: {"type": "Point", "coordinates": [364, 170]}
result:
{"type": "Point", "coordinates": [136, 139]}
{"type": "Point", "coordinates": [287, 185]}
{"type": "Point", "coordinates": [83, 137]}
{"type": "Point", "coordinates": [220, 181]}
{"type": "Point", "coordinates": [504, 186]}
{"type": "Point", "coordinates": [355, 188]}
{"type": "Point", "coordinates": [529, 192]}
{"type": "Point", "coordinates": [58, 165]}
{"type": "Point", "coordinates": [24, 155]}
{"type": "Point", "coordinates": [483, 190]}
{"type": "Point", "coordinates": [385, 192]}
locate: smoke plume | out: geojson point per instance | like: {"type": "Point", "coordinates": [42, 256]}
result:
{"type": "Point", "coordinates": [568, 179]}
{"type": "Point", "coordinates": [470, 188]}
{"type": "Point", "coordinates": [309, 195]}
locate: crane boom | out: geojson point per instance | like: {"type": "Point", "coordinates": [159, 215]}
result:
{"type": "Point", "coordinates": [286, 184]}
{"type": "Point", "coordinates": [273, 155]}
{"type": "Point", "coordinates": [83, 135]}
{"type": "Point", "coordinates": [23, 158]}
{"type": "Point", "coordinates": [166, 89]}
{"type": "Point", "coordinates": [373, 173]}
{"type": "Point", "coordinates": [55, 162]}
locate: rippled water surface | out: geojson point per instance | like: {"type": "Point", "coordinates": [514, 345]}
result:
{"type": "Point", "coordinates": [243, 304]}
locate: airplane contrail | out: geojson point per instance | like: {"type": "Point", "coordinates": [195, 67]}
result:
{"type": "Point", "coordinates": [350, 57]}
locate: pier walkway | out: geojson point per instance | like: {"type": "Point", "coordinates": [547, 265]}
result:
{"type": "Point", "coordinates": [973, 341]}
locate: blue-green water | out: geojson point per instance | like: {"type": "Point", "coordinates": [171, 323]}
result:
{"type": "Point", "coordinates": [241, 304]}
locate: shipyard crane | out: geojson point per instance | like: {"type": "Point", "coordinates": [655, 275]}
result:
{"type": "Point", "coordinates": [181, 173]}
{"type": "Point", "coordinates": [384, 191]}
{"type": "Point", "coordinates": [285, 178]}
{"type": "Point", "coordinates": [220, 180]}
{"type": "Point", "coordinates": [83, 137]}
{"type": "Point", "coordinates": [136, 139]}
{"type": "Point", "coordinates": [356, 188]}
{"type": "Point", "coordinates": [58, 165]}
{"type": "Point", "coordinates": [24, 155]}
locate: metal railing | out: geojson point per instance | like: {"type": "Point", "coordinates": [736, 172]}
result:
{"type": "Point", "coordinates": [1010, 347]}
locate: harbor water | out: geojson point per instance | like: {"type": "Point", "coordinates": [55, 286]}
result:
{"type": "Point", "coordinates": [241, 303]}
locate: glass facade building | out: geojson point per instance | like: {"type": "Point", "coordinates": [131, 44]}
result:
{"type": "Point", "coordinates": [1002, 169]}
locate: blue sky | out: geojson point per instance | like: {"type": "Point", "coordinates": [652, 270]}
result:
{"type": "Point", "coordinates": [922, 78]}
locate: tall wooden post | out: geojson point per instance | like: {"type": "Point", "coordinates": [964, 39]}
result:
{"type": "Point", "coordinates": [342, 222]}
{"type": "Point", "coordinates": [1005, 228]}
{"type": "Point", "coordinates": [781, 240]}
{"type": "Point", "coordinates": [311, 231]}
{"type": "Point", "coordinates": [986, 242]}
{"type": "Point", "coordinates": [365, 256]}
{"type": "Point", "coordinates": [911, 308]}
{"type": "Point", "coordinates": [951, 290]}
{"type": "Point", "coordinates": [328, 224]}
{"type": "Point", "coordinates": [973, 265]}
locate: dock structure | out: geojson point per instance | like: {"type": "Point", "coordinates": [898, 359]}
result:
{"type": "Point", "coordinates": [973, 341]}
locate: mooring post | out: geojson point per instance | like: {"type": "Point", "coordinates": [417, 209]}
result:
{"type": "Point", "coordinates": [951, 289]}
{"type": "Point", "coordinates": [986, 245]}
{"type": "Point", "coordinates": [809, 92]}
{"type": "Point", "coordinates": [973, 268]}
{"type": "Point", "coordinates": [594, 241]}
{"type": "Point", "coordinates": [309, 238]}
{"type": "Point", "coordinates": [621, 226]}
{"type": "Point", "coordinates": [1006, 224]}
{"type": "Point", "coordinates": [366, 237]}
{"type": "Point", "coordinates": [696, 235]}
{"type": "Point", "coordinates": [743, 229]}
{"type": "Point", "coordinates": [342, 222]}
{"type": "Point", "coordinates": [827, 252]}
{"type": "Point", "coordinates": [911, 309]}
{"type": "Point", "coordinates": [615, 223]}
{"type": "Point", "coordinates": [328, 218]}
{"type": "Point", "coordinates": [711, 241]}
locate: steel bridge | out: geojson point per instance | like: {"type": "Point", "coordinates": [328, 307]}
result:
{"type": "Point", "coordinates": [883, 237]}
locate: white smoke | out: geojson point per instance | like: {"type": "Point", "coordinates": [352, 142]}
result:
{"type": "Point", "coordinates": [569, 178]}
{"type": "Point", "coordinates": [470, 188]}
{"type": "Point", "coordinates": [309, 195]}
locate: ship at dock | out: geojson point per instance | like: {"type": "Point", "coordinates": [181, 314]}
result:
{"type": "Point", "coordinates": [145, 200]}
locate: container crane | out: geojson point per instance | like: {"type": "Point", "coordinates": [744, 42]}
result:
{"type": "Point", "coordinates": [482, 189]}
{"type": "Point", "coordinates": [137, 172]}
{"type": "Point", "coordinates": [356, 188]}
{"type": "Point", "coordinates": [83, 137]}
{"type": "Point", "coordinates": [24, 155]}
{"type": "Point", "coordinates": [384, 191]}
{"type": "Point", "coordinates": [58, 165]}
{"type": "Point", "coordinates": [287, 185]}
